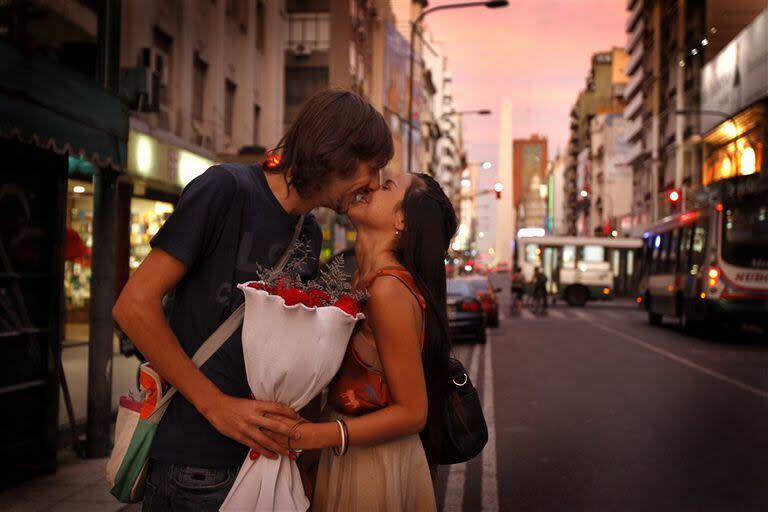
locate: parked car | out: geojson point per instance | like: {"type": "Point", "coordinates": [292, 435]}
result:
{"type": "Point", "coordinates": [466, 318]}
{"type": "Point", "coordinates": [486, 294]}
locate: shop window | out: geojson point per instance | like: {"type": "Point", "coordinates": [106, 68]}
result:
{"type": "Point", "coordinates": [147, 216]}
{"type": "Point", "coordinates": [77, 261]}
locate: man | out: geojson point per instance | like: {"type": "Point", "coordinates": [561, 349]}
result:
{"type": "Point", "coordinates": [229, 219]}
{"type": "Point", "coordinates": [517, 287]}
{"type": "Point", "coordinates": [539, 290]}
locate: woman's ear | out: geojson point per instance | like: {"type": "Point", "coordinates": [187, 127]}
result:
{"type": "Point", "coordinates": [400, 221]}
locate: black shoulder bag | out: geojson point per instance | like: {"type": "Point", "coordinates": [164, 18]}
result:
{"type": "Point", "coordinates": [465, 433]}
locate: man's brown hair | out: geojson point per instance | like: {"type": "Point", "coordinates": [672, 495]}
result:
{"type": "Point", "coordinates": [335, 131]}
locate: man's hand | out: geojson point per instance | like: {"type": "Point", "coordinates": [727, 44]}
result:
{"type": "Point", "coordinates": [243, 419]}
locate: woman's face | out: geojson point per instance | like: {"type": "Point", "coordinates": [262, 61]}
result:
{"type": "Point", "coordinates": [381, 209]}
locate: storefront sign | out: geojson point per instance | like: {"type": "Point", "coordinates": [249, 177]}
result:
{"type": "Point", "coordinates": [738, 76]}
{"type": "Point", "coordinates": [153, 159]}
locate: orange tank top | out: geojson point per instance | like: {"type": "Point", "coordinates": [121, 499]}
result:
{"type": "Point", "coordinates": [360, 387]}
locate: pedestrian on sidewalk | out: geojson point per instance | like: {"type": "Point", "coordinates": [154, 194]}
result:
{"type": "Point", "coordinates": [228, 221]}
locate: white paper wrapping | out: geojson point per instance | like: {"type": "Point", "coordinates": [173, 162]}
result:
{"type": "Point", "coordinates": [291, 354]}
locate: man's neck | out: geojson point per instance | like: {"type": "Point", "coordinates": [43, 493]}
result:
{"type": "Point", "coordinates": [288, 198]}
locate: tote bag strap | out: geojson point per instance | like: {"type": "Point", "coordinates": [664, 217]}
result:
{"type": "Point", "coordinates": [224, 331]}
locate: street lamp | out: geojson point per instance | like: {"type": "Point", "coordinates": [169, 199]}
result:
{"type": "Point", "coordinates": [492, 4]}
{"type": "Point", "coordinates": [481, 112]}
{"type": "Point", "coordinates": [487, 165]}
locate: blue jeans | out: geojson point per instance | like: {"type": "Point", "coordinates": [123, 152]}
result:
{"type": "Point", "coordinates": [172, 487]}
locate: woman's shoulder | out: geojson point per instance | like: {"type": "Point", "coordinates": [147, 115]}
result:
{"type": "Point", "coordinates": [394, 284]}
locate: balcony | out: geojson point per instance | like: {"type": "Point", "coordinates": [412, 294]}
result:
{"type": "Point", "coordinates": [633, 87]}
{"type": "Point", "coordinates": [635, 129]}
{"type": "Point", "coordinates": [635, 61]}
{"type": "Point", "coordinates": [634, 107]}
{"type": "Point", "coordinates": [635, 37]}
{"type": "Point", "coordinates": [635, 16]}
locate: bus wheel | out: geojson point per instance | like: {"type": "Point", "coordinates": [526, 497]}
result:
{"type": "Point", "coordinates": [576, 296]}
{"type": "Point", "coordinates": [654, 318]}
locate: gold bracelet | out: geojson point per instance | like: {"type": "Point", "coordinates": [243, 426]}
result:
{"type": "Point", "coordinates": [341, 450]}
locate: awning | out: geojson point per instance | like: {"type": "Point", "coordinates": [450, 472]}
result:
{"type": "Point", "coordinates": [55, 108]}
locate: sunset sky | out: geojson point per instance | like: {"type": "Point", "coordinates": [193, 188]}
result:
{"type": "Point", "coordinates": [536, 52]}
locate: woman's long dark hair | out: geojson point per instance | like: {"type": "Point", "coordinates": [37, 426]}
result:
{"type": "Point", "coordinates": [430, 224]}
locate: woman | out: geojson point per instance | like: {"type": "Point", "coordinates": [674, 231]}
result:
{"type": "Point", "coordinates": [391, 386]}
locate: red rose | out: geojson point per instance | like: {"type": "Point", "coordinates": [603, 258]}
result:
{"type": "Point", "coordinates": [348, 304]}
{"type": "Point", "coordinates": [319, 297]}
{"type": "Point", "coordinates": [293, 296]}
{"type": "Point", "coordinates": [262, 286]}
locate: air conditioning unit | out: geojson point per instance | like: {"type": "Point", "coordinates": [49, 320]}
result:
{"type": "Point", "coordinates": [140, 87]}
{"type": "Point", "coordinates": [301, 50]}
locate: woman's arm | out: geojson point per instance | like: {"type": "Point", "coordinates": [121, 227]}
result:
{"type": "Point", "coordinates": [395, 318]}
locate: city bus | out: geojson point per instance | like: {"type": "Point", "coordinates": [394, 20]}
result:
{"type": "Point", "coordinates": [580, 269]}
{"type": "Point", "coordinates": [709, 265]}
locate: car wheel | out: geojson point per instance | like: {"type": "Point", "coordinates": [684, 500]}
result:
{"type": "Point", "coordinates": [576, 296]}
{"type": "Point", "coordinates": [654, 318]}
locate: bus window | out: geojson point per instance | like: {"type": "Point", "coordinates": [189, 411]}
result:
{"type": "Point", "coordinates": [745, 235]}
{"type": "Point", "coordinates": [569, 256]}
{"type": "Point", "coordinates": [674, 247]}
{"type": "Point", "coordinates": [616, 262]}
{"type": "Point", "coordinates": [656, 257]}
{"type": "Point", "coordinates": [698, 245]}
{"type": "Point", "coordinates": [533, 254]}
{"type": "Point", "coordinates": [661, 263]}
{"type": "Point", "coordinates": [593, 254]}
{"type": "Point", "coordinates": [683, 262]}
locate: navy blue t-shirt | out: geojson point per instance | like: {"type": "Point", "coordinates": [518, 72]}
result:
{"type": "Point", "coordinates": [226, 221]}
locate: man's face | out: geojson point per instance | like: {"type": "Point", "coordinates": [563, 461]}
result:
{"type": "Point", "coordinates": [342, 193]}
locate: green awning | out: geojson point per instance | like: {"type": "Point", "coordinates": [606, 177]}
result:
{"type": "Point", "coordinates": [53, 107]}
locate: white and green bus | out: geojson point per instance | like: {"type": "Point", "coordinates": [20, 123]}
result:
{"type": "Point", "coordinates": [580, 269]}
{"type": "Point", "coordinates": [709, 265]}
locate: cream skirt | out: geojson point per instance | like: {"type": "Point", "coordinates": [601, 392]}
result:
{"type": "Point", "coordinates": [389, 477]}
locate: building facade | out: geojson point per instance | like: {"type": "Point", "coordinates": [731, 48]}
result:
{"type": "Point", "coordinates": [604, 94]}
{"type": "Point", "coordinates": [529, 177]}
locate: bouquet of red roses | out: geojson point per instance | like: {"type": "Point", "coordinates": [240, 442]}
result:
{"type": "Point", "coordinates": [294, 336]}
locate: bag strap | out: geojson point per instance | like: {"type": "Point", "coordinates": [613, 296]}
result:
{"type": "Point", "coordinates": [216, 340]}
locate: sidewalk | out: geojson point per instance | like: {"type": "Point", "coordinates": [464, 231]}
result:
{"type": "Point", "coordinates": [78, 486]}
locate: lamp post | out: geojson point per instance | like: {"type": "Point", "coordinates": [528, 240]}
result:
{"type": "Point", "coordinates": [482, 112]}
{"type": "Point", "coordinates": [492, 4]}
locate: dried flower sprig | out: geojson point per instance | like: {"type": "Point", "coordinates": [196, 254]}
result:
{"type": "Point", "coordinates": [333, 280]}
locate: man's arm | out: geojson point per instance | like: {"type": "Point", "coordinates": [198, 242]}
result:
{"type": "Point", "coordinates": [139, 313]}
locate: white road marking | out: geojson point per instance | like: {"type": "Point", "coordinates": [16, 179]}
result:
{"type": "Point", "coordinates": [457, 474]}
{"type": "Point", "coordinates": [686, 362]}
{"type": "Point", "coordinates": [584, 316]}
{"type": "Point", "coordinates": [555, 313]}
{"type": "Point", "coordinates": [490, 482]}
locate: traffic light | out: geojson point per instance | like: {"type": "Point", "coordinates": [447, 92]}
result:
{"type": "Point", "coordinates": [498, 187]}
{"type": "Point", "coordinates": [674, 198]}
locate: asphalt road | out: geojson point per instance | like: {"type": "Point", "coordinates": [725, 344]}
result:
{"type": "Point", "coordinates": [592, 409]}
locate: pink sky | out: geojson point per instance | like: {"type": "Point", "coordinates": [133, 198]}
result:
{"type": "Point", "coordinates": [536, 52]}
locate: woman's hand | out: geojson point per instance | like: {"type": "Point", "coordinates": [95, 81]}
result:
{"type": "Point", "coordinates": [305, 435]}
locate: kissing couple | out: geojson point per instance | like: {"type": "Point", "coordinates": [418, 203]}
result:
{"type": "Point", "coordinates": [235, 218]}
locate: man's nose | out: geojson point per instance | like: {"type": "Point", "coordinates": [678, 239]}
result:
{"type": "Point", "coordinates": [374, 183]}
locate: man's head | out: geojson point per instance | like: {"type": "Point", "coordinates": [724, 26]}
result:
{"type": "Point", "coordinates": [333, 152]}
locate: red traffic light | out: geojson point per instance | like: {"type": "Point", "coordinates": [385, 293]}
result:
{"type": "Point", "coordinates": [674, 196]}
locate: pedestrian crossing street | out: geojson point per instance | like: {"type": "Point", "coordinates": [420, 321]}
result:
{"type": "Point", "coordinates": [595, 313]}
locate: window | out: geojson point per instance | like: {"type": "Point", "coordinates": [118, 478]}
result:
{"type": "Point", "coordinates": [533, 254]}
{"type": "Point", "coordinates": [229, 106]}
{"type": "Point", "coordinates": [593, 254]}
{"type": "Point", "coordinates": [163, 63]}
{"type": "Point", "coordinates": [674, 247]}
{"type": "Point", "coordinates": [698, 245]}
{"type": "Point", "coordinates": [569, 256]}
{"type": "Point", "coordinates": [256, 123]}
{"type": "Point", "coordinates": [683, 263]}
{"type": "Point", "coordinates": [656, 254]}
{"type": "Point", "coordinates": [199, 72]}
{"type": "Point", "coordinates": [456, 287]}
{"type": "Point", "coordinates": [261, 25]}
{"type": "Point", "coordinates": [663, 267]}
{"type": "Point", "coordinates": [745, 235]}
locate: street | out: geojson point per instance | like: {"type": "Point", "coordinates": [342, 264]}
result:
{"type": "Point", "coordinates": [593, 409]}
